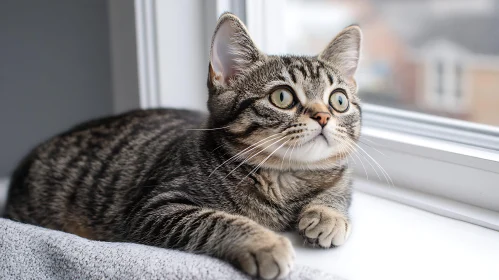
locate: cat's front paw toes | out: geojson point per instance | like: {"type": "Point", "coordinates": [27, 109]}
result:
{"type": "Point", "coordinates": [324, 226]}
{"type": "Point", "coordinates": [267, 257]}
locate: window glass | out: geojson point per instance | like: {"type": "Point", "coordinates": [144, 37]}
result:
{"type": "Point", "coordinates": [433, 56]}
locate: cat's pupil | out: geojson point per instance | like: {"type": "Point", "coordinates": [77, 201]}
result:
{"type": "Point", "coordinates": [281, 96]}
{"type": "Point", "coordinates": [340, 100]}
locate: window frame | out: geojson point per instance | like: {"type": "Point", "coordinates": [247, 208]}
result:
{"type": "Point", "coordinates": [445, 166]}
{"type": "Point", "coordinates": [428, 167]}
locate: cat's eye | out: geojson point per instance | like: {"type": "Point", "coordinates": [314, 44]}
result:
{"type": "Point", "coordinates": [282, 98]}
{"type": "Point", "coordinates": [339, 101]}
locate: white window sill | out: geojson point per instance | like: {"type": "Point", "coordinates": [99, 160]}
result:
{"type": "Point", "coordinates": [395, 241]}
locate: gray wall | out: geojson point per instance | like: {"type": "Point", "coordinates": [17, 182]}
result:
{"type": "Point", "coordinates": [54, 70]}
{"type": "Point", "coordinates": [123, 45]}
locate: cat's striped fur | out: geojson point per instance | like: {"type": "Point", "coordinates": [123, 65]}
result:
{"type": "Point", "coordinates": [154, 177]}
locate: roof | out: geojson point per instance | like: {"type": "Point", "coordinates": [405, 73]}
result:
{"type": "Point", "coordinates": [479, 35]}
{"type": "Point", "coordinates": [415, 22]}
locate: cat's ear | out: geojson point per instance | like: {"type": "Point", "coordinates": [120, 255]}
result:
{"type": "Point", "coordinates": [232, 50]}
{"type": "Point", "coordinates": [343, 51]}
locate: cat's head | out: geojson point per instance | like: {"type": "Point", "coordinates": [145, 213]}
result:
{"type": "Point", "coordinates": [284, 111]}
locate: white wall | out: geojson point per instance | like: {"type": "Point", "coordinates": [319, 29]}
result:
{"type": "Point", "coordinates": [183, 53]}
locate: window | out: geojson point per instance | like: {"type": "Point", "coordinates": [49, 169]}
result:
{"type": "Point", "coordinates": [429, 79]}
{"type": "Point", "coordinates": [459, 80]}
{"type": "Point", "coordinates": [445, 87]}
{"type": "Point", "coordinates": [439, 77]}
{"type": "Point", "coordinates": [401, 39]}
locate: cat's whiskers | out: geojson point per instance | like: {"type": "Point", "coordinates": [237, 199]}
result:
{"type": "Point", "coordinates": [254, 155]}
{"type": "Point", "coordinates": [263, 161]}
{"type": "Point", "coordinates": [247, 149]}
{"type": "Point", "coordinates": [342, 140]}
{"type": "Point", "coordinates": [383, 171]}
{"type": "Point", "coordinates": [343, 153]}
{"type": "Point", "coordinates": [374, 143]}
{"type": "Point", "coordinates": [371, 147]}
{"type": "Point", "coordinates": [351, 150]}
{"type": "Point", "coordinates": [216, 128]}
{"type": "Point", "coordinates": [290, 154]}
{"type": "Point", "coordinates": [360, 156]}
{"type": "Point", "coordinates": [218, 147]}
{"type": "Point", "coordinates": [282, 163]}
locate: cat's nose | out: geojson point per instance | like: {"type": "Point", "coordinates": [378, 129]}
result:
{"type": "Point", "coordinates": [322, 118]}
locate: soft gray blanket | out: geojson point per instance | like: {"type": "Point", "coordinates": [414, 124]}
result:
{"type": "Point", "coordinates": [30, 252]}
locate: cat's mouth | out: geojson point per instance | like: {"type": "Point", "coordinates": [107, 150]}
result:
{"type": "Point", "coordinates": [322, 136]}
{"type": "Point", "coordinates": [317, 146]}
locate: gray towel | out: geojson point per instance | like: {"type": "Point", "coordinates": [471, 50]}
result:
{"type": "Point", "coordinates": [30, 252]}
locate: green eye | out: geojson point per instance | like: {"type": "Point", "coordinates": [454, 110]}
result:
{"type": "Point", "coordinates": [282, 98]}
{"type": "Point", "coordinates": [339, 101]}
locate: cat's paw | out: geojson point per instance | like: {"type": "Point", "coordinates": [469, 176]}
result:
{"type": "Point", "coordinates": [268, 257]}
{"type": "Point", "coordinates": [324, 226]}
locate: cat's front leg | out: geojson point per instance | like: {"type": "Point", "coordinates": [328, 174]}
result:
{"type": "Point", "coordinates": [324, 221]}
{"type": "Point", "coordinates": [239, 240]}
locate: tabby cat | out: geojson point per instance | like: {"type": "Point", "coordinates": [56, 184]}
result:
{"type": "Point", "coordinates": [269, 157]}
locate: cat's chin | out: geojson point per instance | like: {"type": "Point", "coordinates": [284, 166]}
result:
{"type": "Point", "coordinates": [315, 150]}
